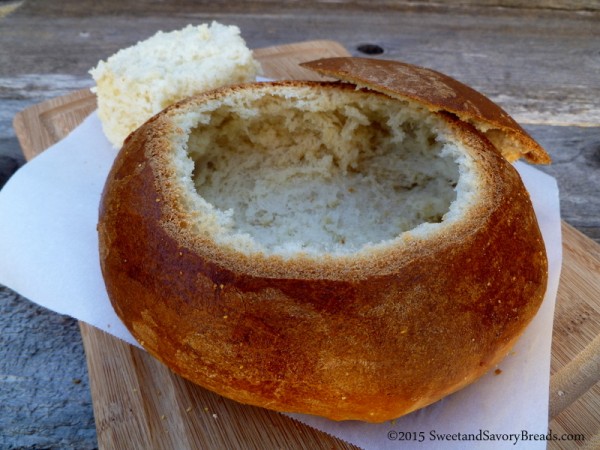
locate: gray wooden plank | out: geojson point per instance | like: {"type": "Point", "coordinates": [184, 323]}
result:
{"type": "Point", "coordinates": [543, 65]}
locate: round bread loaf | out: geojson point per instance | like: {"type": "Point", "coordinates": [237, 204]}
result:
{"type": "Point", "coordinates": [312, 247]}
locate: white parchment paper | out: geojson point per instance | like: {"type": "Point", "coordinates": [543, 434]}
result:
{"type": "Point", "coordinates": [49, 254]}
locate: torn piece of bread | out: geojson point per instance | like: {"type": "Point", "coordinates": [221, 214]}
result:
{"type": "Point", "coordinates": [139, 81]}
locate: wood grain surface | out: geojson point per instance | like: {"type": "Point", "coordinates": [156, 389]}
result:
{"type": "Point", "coordinates": [137, 399]}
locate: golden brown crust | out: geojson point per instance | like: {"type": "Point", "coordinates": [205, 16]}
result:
{"type": "Point", "coordinates": [350, 338]}
{"type": "Point", "coordinates": [438, 92]}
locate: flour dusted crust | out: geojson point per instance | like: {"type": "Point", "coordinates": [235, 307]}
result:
{"type": "Point", "coordinates": [369, 332]}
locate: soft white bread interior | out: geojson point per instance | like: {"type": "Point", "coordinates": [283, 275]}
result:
{"type": "Point", "coordinates": [310, 247]}
{"type": "Point", "coordinates": [319, 171]}
{"type": "Point", "coordinates": [139, 81]}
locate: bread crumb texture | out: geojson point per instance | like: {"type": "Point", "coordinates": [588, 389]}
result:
{"type": "Point", "coordinates": [139, 81]}
{"type": "Point", "coordinates": [317, 171]}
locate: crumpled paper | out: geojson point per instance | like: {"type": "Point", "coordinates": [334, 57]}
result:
{"type": "Point", "coordinates": [49, 254]}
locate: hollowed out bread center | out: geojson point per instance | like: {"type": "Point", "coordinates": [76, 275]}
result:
{"type": "Point", "coordinates": [319, 170]}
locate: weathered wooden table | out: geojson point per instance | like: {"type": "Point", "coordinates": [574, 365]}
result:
{"type": "Point", "coordinates": [540, 60]}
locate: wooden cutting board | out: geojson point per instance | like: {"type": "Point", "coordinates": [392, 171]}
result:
{"type": "Point", "coordinates": [137, 400]}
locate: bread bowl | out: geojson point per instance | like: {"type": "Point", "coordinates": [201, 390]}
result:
{"type": "Point", "coordinates": [313, 247]}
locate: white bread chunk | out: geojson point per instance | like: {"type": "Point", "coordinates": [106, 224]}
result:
{"type": "Point", "coordinates": [139, 81]}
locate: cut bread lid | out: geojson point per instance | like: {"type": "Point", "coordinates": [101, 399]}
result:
{"type": "Point", "coordinates": [436, 92]}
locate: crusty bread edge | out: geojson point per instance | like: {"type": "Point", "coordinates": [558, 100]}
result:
{"type": "Point", "coordinates": [438, 92]}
